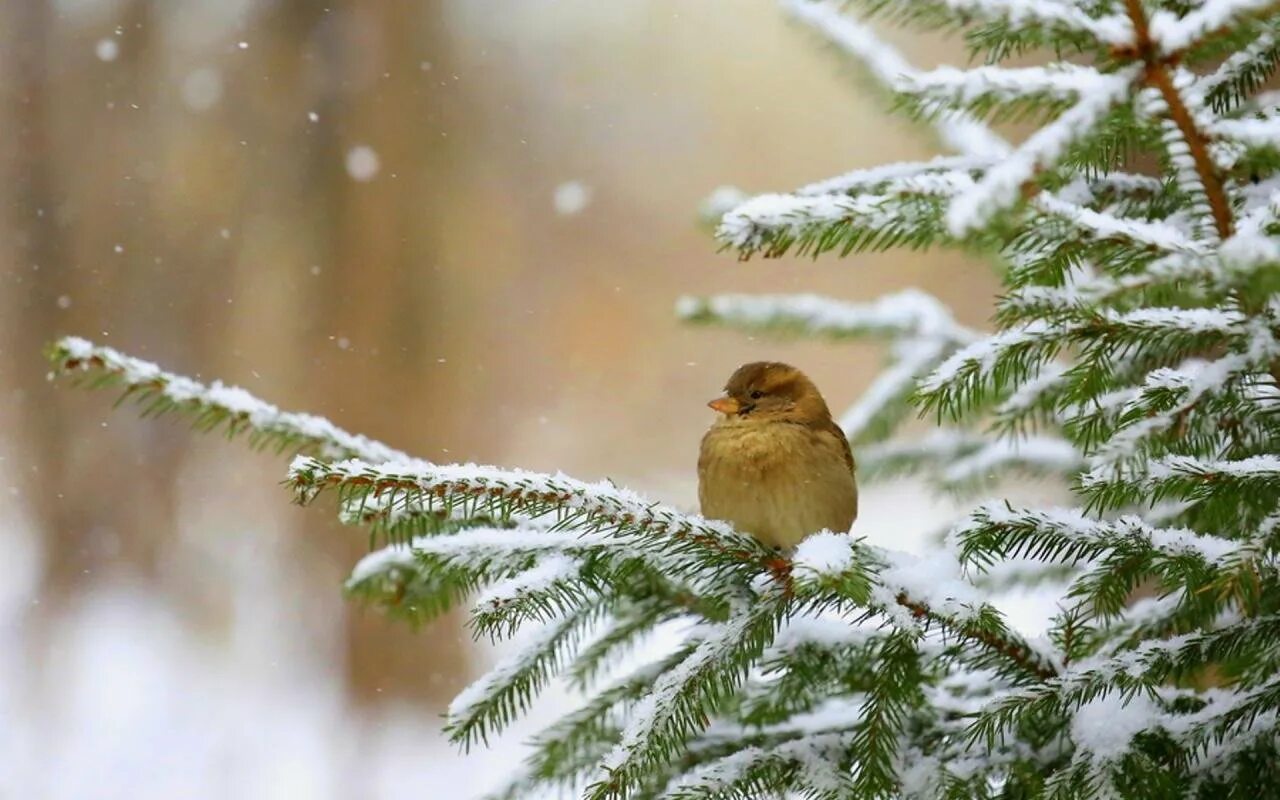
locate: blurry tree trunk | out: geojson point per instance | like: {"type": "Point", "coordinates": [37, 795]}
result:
{"type": "Point", "coordinates": [354, 285]}
{"type": "Point", "coordinates": [66, 275]}
{"type": "Point", "coordinates": [243, 247]}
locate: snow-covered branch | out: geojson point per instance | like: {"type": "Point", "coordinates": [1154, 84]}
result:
{"type": "Point", "coordinates": [910, 313]}
{"type": "Point", "coordinates": [212, 406]}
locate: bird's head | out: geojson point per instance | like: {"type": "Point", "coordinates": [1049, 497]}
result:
{"type": "Point", "coordinates": [768, 391]}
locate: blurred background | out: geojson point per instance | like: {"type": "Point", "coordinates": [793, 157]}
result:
{"type": "Point", "coordinates": [456, 227]}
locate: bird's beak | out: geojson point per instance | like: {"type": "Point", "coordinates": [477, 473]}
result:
{"type": "Point", "coordinates": [725, 405]}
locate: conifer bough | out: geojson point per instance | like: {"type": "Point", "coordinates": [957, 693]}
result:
{"type": "Point", "coordinates": [1135, 361]}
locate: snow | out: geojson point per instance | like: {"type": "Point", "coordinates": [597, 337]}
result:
{"type": "Point", "coordinates": [1106, 725]}
{"type": "Point", "coordinates": [981, 355]}
{"type": "Point", "coordinates": [1030, 392]}
{"type": "Point", "coordinates": [1250, 131]}
{"type": "Point", "coordinates": [1075, 523]}
{"type": "Point", "coordinates": [107, 49]}
{"type": "Point", "coordinates": [1251, 246]}
{"type": "Point", "coordinates": [332, 440]}
{"type": "Point", "coordinates": [1175, 33]}
{"type": "Point", "coordinates": [1186, 320]}
{"type": "Point", "coordinates": [906, 313]}
{"type": "Point", "coordinates": [721, 201]}
{"type": "Point", "coordinates": [657, 709]}
{"type": "Point", "coordinates": [550, 570]}
{"type": "Point", "coordinates": [1045, 452]}
{"type": "Point", "coordinates": [826, 631]}
{"type": "Point", "coordinates": [1193, 379]}
{"type": "Point", "coordinates": [607, 503]}
{"type": "Point", "coordinates": [202, 89]}
{"type": "Point", "coordinates": [1106, 226]}
{"type": "Point", "coordinates": [956, 86]}
{"type": "Point", "coordinates": [1001, 184]}
{"type": "Point", "coordinates": [911, 359]}
{"type": "Point", "coordinates": [825, 553]}
{"type": "Point", "coordinates": [1156, 471]}
{"type": "Point", "coordinates": [742, 227]}
{"type": "Point", "coordinates": [959, 131]}
{"type": "Point", "coordinates": [951, 168]}
{"type": "Point", "coordinates": [816, 756]}
{"type": "Point", "coordinates": [1114, 29]}
{"type": "Point", "coordinates": [933, 579]}
{"type": "Point", "coordinates": [532, 648]}
{"type": "Point", "coordinates": [362, 163]}
{"type": "Point", "coordinates": [381, 561]}
{"type": "Point", "coordinates": [570, 198]}
{"type": "Point", "coordinates": [1256, 53]}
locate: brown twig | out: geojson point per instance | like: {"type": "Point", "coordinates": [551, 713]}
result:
{"type": "Point", "coordinates": [1017, 653]}
{"type": "Point", "coordinates": [1157, 75]}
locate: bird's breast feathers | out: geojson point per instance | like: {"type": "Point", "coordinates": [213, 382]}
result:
{"type": "Point", "coordinates": [778, 482]}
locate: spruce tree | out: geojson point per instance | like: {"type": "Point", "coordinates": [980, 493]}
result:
{"type": "Point", "coordinates": [1134, 358]}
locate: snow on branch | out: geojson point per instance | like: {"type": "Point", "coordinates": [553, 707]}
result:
{"type": "Point", "coordinates": [1168, 396]}
{"type": "Point", "coordinates": [924, 329]}
{"type": "Point", "coordinates": [1000, 186]}
{"type": "Point", "coordinates": [941, 171]}
{"type": "Point", "coordinates": [772, 224]}
{"type": "Point", "coordinates": [1251, 246]}
{"type": "Point", "coordinates": [981, 87]}
{"type": "Point", "coordinates": [958, 131]}
{"type": "Point", "coordinates": [1016, 355]}
{"type": "Point", "coordinates": [915, 593]}
{"type": "Point", "coordinates": [1240, 73]}
{"type": "Point", "coordinates": [677, 707]}
{"type": "Point", "coordinates": [1252, 132]}
{"type": "Point", "coordinates": [1174, 34]}
{"type": "Point", "coordinates": [910, 313]}
{"type": "Point", "coordinates": [1161, 235]}
{"type": "Point", "coordinates": [687, 539]}
{"type": "Point", "coordinates": [752, 768]}
{"type": "Point", "coordinates": [996, 532]}
{"type": "Point", "coordinates": [212, 406]}
{"type": "Point", "coordinates": [506, 690]}
{"type": "Point", "coordinates": [1181, 477]}
{"type": "Point", "coordinates": [1136, 680]}
{"type": "Point", "coordinates": [1060, 15]}
{"type": "Point", "coordinates": [1031, 455]}
{"type": "Point", "coordinates": [885, 401]}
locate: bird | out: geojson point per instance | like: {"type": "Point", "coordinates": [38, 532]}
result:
{"type": "Point", "coordinates": [774, 464]}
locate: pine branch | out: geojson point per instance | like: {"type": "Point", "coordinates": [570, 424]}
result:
{"type": "Point", "coordinates": [681, 698]}
{"type": "Point", "coordinates": [909, 313]}
{"type": "Point", "coordinates": [1241, 73]}
{"type": "Point", "coordinates": [572, 747]}
{"type": "Point", "coordinates": [1169, 35]}
{"type": "Point", "coordinates": [774, 224]}
{"type": "Point", "coordinates": [1004, 183]}
{"type": "Point", "coordinates": [689, 542]}
{"type": "Point", "coordinates": [750, 772]}
{"type": "Point", "coordinates": [505, 691]}
{"type": "Point", "coordinates": [1156, 73]}
{"type": "Point", "coordinates": [958, 131]}
{"type": "Point", "coordinates": [210, 407]}
{"type": "Point", "coordinates": [915, 593]}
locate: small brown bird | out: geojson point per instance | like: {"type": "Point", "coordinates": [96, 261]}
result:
{"type": "Point", "coordinates": [775, 464]}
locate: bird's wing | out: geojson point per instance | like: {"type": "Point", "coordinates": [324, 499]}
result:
{"type": "Point", "coordinates": [832, 428]}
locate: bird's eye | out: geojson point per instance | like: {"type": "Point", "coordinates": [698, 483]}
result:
{"type": "Point", "coordinates": [757, 394]}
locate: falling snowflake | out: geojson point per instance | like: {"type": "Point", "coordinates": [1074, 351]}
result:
{"type": "Point", "coordinates": [202, 89]}
{"type": "Point", "coordinates": [363, 163]}
{"type": "Point", "coordinates": [107, 49]}
{"type": "Point", "coordinates": [571, 197]}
